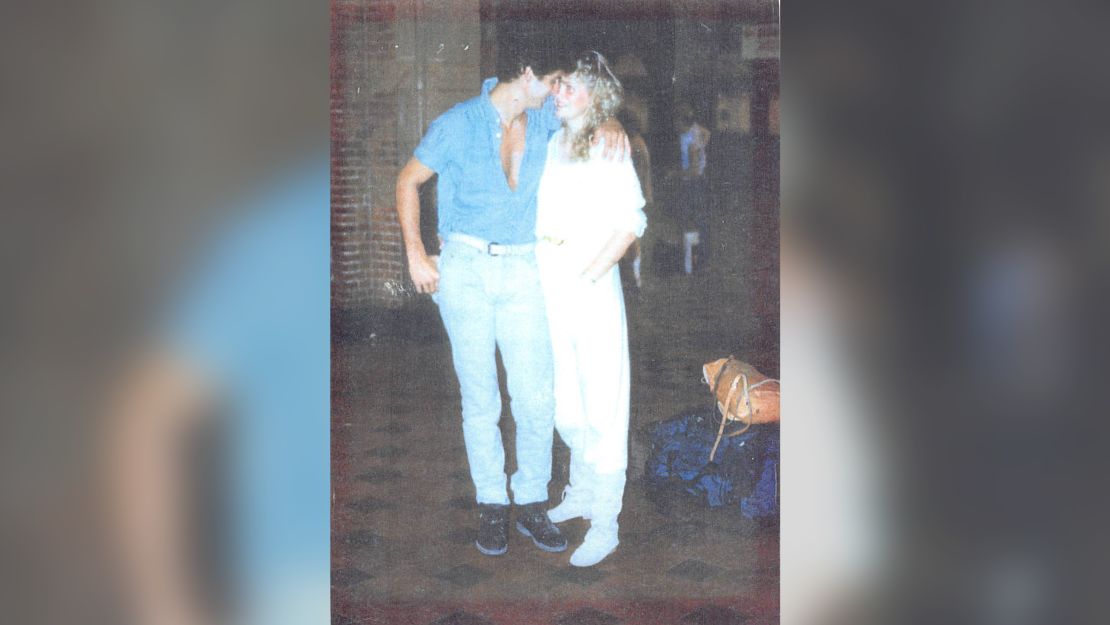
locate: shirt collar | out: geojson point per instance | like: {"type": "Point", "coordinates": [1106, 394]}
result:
{"type": "Point", "coordinates": [487, 86]}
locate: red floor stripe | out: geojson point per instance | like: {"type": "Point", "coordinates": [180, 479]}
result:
{"type": "Point", "coordinates": [755, 609]}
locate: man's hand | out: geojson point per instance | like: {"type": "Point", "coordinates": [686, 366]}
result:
{"type": "Point", "coordinates": [422, 268]}
{"type": "Point", "coordinates": [424, 273]}
{"type": "Point", "coordinates": [617, 144]}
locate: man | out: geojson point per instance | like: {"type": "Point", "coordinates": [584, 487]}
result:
{"type": "Point", "coordinates": [489, 152]}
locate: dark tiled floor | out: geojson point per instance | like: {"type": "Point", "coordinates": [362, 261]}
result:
{"type": "Point", "coordinates": [403, 509]}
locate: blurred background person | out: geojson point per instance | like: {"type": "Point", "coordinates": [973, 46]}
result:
{"type": "Point", "coordinates": [693, 200]}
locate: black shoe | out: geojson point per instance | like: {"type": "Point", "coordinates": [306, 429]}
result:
{"type": "Point", "coordinates": [532, 521]}
{"type": "Point", "coordinates": [493, 529]}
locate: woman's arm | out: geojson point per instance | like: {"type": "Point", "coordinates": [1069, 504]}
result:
{"type": "Point", "coordinates": [620, 195]}
{"type": "Point", "coordinates": [612, 252]}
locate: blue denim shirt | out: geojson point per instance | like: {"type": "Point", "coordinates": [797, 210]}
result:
{"type": "Point", "coordinates": [463, 146]}
{"type": "Point", "coordinates": [254, 318]}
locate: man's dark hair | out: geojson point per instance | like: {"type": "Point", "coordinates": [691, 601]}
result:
{"type": "Point", "coordinates": [630, 121]}
{"type": "Point", "coordinates": [539, 53]}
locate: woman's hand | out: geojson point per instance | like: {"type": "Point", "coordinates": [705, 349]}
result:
{"type": "Point", "coordinates": [609, 255]}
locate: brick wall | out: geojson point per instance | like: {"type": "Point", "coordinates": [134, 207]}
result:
{"type": "Point", "coordinates": [350, 162]}
{"type": "Point", "coordinates": [396, 65]}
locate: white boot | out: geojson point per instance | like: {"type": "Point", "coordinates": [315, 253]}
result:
{"type": "Point", "coordinates": [576, 503]}
{"type": "Point", "coordinates": [601, 540]}
{"type": "Point", "coordinates": [577, 496]}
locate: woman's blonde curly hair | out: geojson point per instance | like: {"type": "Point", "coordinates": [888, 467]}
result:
{"type": "Point", "coordinates": [606, 95]}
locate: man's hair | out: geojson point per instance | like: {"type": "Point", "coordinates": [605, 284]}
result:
{"type": "Point", "coordinates": [533, 51]}
{"type": "Point", "coordinates": [630, 120]}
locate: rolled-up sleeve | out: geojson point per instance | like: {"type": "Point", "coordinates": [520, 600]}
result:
{"type": "Point", "coordinates": [623, 197]}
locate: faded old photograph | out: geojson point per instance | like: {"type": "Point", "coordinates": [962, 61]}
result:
{"type": "Point", "coordinates": [555, 312]}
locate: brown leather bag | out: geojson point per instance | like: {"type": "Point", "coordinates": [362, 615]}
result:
{"type": "Point", "coordinates": [742, 394]}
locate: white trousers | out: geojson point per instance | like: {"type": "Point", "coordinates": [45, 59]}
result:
{"type": "Point", "coordinates": [589, 340]}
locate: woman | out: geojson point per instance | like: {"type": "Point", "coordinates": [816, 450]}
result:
{"type": "Point", "coordinates": [589, 211]}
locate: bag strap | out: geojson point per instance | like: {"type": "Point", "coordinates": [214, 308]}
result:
{"type": "Point", "coordinates": [727, 406]}
{"type": "Point", "coordinates": [732, 391]}
{"type": "Point", "coordinates": [748, 401]}
{"type": "Point", "coordinates": [713, 393]}
{"type": "Point", "coordinates": [720, 373]}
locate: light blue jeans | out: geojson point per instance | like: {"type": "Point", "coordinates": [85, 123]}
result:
{"type": "Point", "coordinates": [495, 302]}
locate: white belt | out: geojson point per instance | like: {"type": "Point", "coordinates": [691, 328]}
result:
{"type": "Point", "coordinates": [489, 247]}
